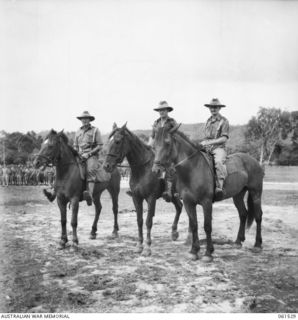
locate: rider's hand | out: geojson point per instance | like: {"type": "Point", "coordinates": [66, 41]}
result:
{"type": "Point", "coordinates": [204, 143]}
{"type": "Point", "coordinates": [85, 156]}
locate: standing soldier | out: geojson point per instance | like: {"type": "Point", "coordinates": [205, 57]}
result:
{"type": "Point", "coordinates": [88, 143]}
{"type": "Point", "coordinates": [216, 136]}
{"type": "Point", "coordinates": [164, 121]}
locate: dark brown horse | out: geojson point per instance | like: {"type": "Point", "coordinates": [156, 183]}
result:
{"type": "Point", "coordinates": [195, 184]}
{"type": "Point", "coordinates": [69, 184]}
{"type": "Point", "coordinates": [144, 184]}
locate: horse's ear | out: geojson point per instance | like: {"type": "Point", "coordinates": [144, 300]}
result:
{"type": "Point", "coordinates": [114, 127]}
{"type": "Point", "coordinates": [61, 132]}
{"type": "Point", "coordinates": [124, 126]}
{"type": "Point", "coordinates": [174, 129]}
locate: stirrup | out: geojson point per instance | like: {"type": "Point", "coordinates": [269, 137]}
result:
{"type": "Point", "coordinates": [87, 197]}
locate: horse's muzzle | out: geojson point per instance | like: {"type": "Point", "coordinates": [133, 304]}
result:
{"type": "Point", "coordinates": [157, 168]}
{"type": "Point", "coordinates": [108, 167]}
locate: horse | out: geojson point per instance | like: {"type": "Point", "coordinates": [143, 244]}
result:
{"type": "Point", "coordinates": [144, 184]}
{"type": "Point", "coordinates": [195, 185]}
{"type": "Point", "coordinates": [55, 150]}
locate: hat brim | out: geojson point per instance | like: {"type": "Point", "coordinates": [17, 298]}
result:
{"type": "Point", "coordinates": [164, 108]}
{"type": "Point", "coordinates": [91, 118]}
{"type": "Point", "coordinates": [214, 105]}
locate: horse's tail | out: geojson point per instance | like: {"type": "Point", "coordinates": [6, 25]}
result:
{"type": "Point", "coordinates": [251, 211]}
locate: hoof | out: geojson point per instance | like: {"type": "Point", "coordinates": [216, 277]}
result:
{"type": "Point", "coordinates": [92, 236]}
{"type": "Point", "coordinates": [138, 249]}
{"type": "Point", "coordinates": [115, 235]}
{"type": "Point", "coordinates": [256, 249]}
{"type": "Point", "coordinates": [175, 235]}
{"type": "Point", "coordinates": [193, 256]}
{"type": "Point", "coordinates": [237, 245]}
{"type": "Point", "coordinates": [62, 245]}
{"type": "Point", "coordinates": [207, 259]}
{"type": "Point", "coordinates": [146, 252]}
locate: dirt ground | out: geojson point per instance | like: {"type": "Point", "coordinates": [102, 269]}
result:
{"type": "Point", "coordinates": [105, 275]}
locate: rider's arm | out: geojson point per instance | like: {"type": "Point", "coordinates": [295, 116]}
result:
{"type": "Point", "coordinates": [97, 146]}
{"type": "Point", "coordinates": [220, 140]}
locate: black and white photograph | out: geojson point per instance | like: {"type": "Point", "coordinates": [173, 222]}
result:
{"type": "Point", "coordinates": [149, 158]}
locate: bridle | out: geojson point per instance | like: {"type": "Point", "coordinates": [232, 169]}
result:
{"type": "Point", "coordinates": [55, 158]}
{"type": "Point", "coordinates": [119, 158]}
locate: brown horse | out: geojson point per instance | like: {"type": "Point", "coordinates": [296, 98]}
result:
{"type": "Point", "coordinates": [69, 184]}
{"type": "Point", "coordinates": [195, 184]}
{"type": "Point", "coordinates": [144, 184]}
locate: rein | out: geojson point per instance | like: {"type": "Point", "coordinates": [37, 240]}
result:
{"type": "Point", "coordinates": [193, 154]}
{"type": "Point", "coordinates": [134, 165]}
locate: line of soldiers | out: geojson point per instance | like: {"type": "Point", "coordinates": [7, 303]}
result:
{"type": "Point", "coordinates": [24, 175]}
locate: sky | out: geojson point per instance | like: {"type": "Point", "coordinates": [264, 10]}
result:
{"type": "Point", "coordinates": [118, 59]}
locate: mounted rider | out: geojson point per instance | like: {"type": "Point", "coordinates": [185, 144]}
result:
{"type": "Point", "coordinates": [164, 121]}
{"type": "Point", "coordinates": [216, 136]}
{"type": "Point", "coordinates": [87, 143]}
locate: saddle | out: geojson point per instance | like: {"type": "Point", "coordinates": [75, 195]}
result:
{"type": "Point", "coordinates": [101, 174]}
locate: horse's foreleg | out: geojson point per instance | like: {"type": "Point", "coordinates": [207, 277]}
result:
{"type": "Point", "coordinates": [193, 223]}
{"type": "Point", "coordinates": [207, 208]}
{"type": "Point", "coordinates": [138, 202]}
{"type": "Point", "coordinates": [178, 206]}
{"type": "Point", "coordinates": [149, 223]}
{"type": "Point", "coordinates": [62, 206]}
{"type": "Point", "coordinates": [98, 207]}
{"type": "Point", "coordinates": [114, 194]}
{"type": "Point", "coordinates": [74, 221]}
{"type": "Point", "coordinates": [242, 211]}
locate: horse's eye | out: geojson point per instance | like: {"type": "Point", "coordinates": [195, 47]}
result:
{"type": "Point", "coordinates": [167, 141]}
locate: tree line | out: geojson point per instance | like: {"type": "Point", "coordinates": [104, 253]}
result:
{"type": "Point", "coordinates": [271, 136]}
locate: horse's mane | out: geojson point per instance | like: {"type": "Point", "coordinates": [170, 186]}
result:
{"type": "Point", "coordinates": [65, 140]}
{"type": "Point", "coordinates": [186, 138]}
{"type": "Point", "coordinates": [138, 140]}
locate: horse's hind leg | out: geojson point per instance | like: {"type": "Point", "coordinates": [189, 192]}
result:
{"type": "Point", "coordinates": [242, 211]}
{"type": "Point", "coordinates": [98, 207]}
{"type": "Point", "coordinates": [257, 208]}
{"type": "Point", "coordinates": [207, 208]}
{"type": "Point", "coordinates": [178, 206]}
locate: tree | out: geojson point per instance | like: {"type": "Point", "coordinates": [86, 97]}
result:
{"type": "Point", "coordinates": [270, 126]}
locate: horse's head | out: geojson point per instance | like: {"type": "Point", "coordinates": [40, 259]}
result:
{"type": "Point", "coordinates": [50, 149]}
{"type": "Point", "coordinates": [165, 149]}
{"type": "Point", "coordinates": [117, 147]}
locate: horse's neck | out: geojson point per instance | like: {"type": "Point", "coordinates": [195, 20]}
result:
{"type": "Point", "coordinates": [138, 155]}
{"type": "Point", "coordinates": [186, 153]}
{"type": "Point", "coordinates": [67, 160]}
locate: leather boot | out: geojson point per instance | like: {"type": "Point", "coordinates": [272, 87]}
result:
{"type": "Point", "coordinates": [87, 194]}
{"type": "Point", "coordinates": [50, 194]}
{"type": "Point", "coordinates": [219, 189]}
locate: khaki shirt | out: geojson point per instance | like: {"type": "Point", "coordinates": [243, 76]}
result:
{"type": "Point", "coordinates": [87, 139]}
{"type": "Point", "coordinates": [217, 127]}
{"type": "Point", "coordinates": [169, 123]}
